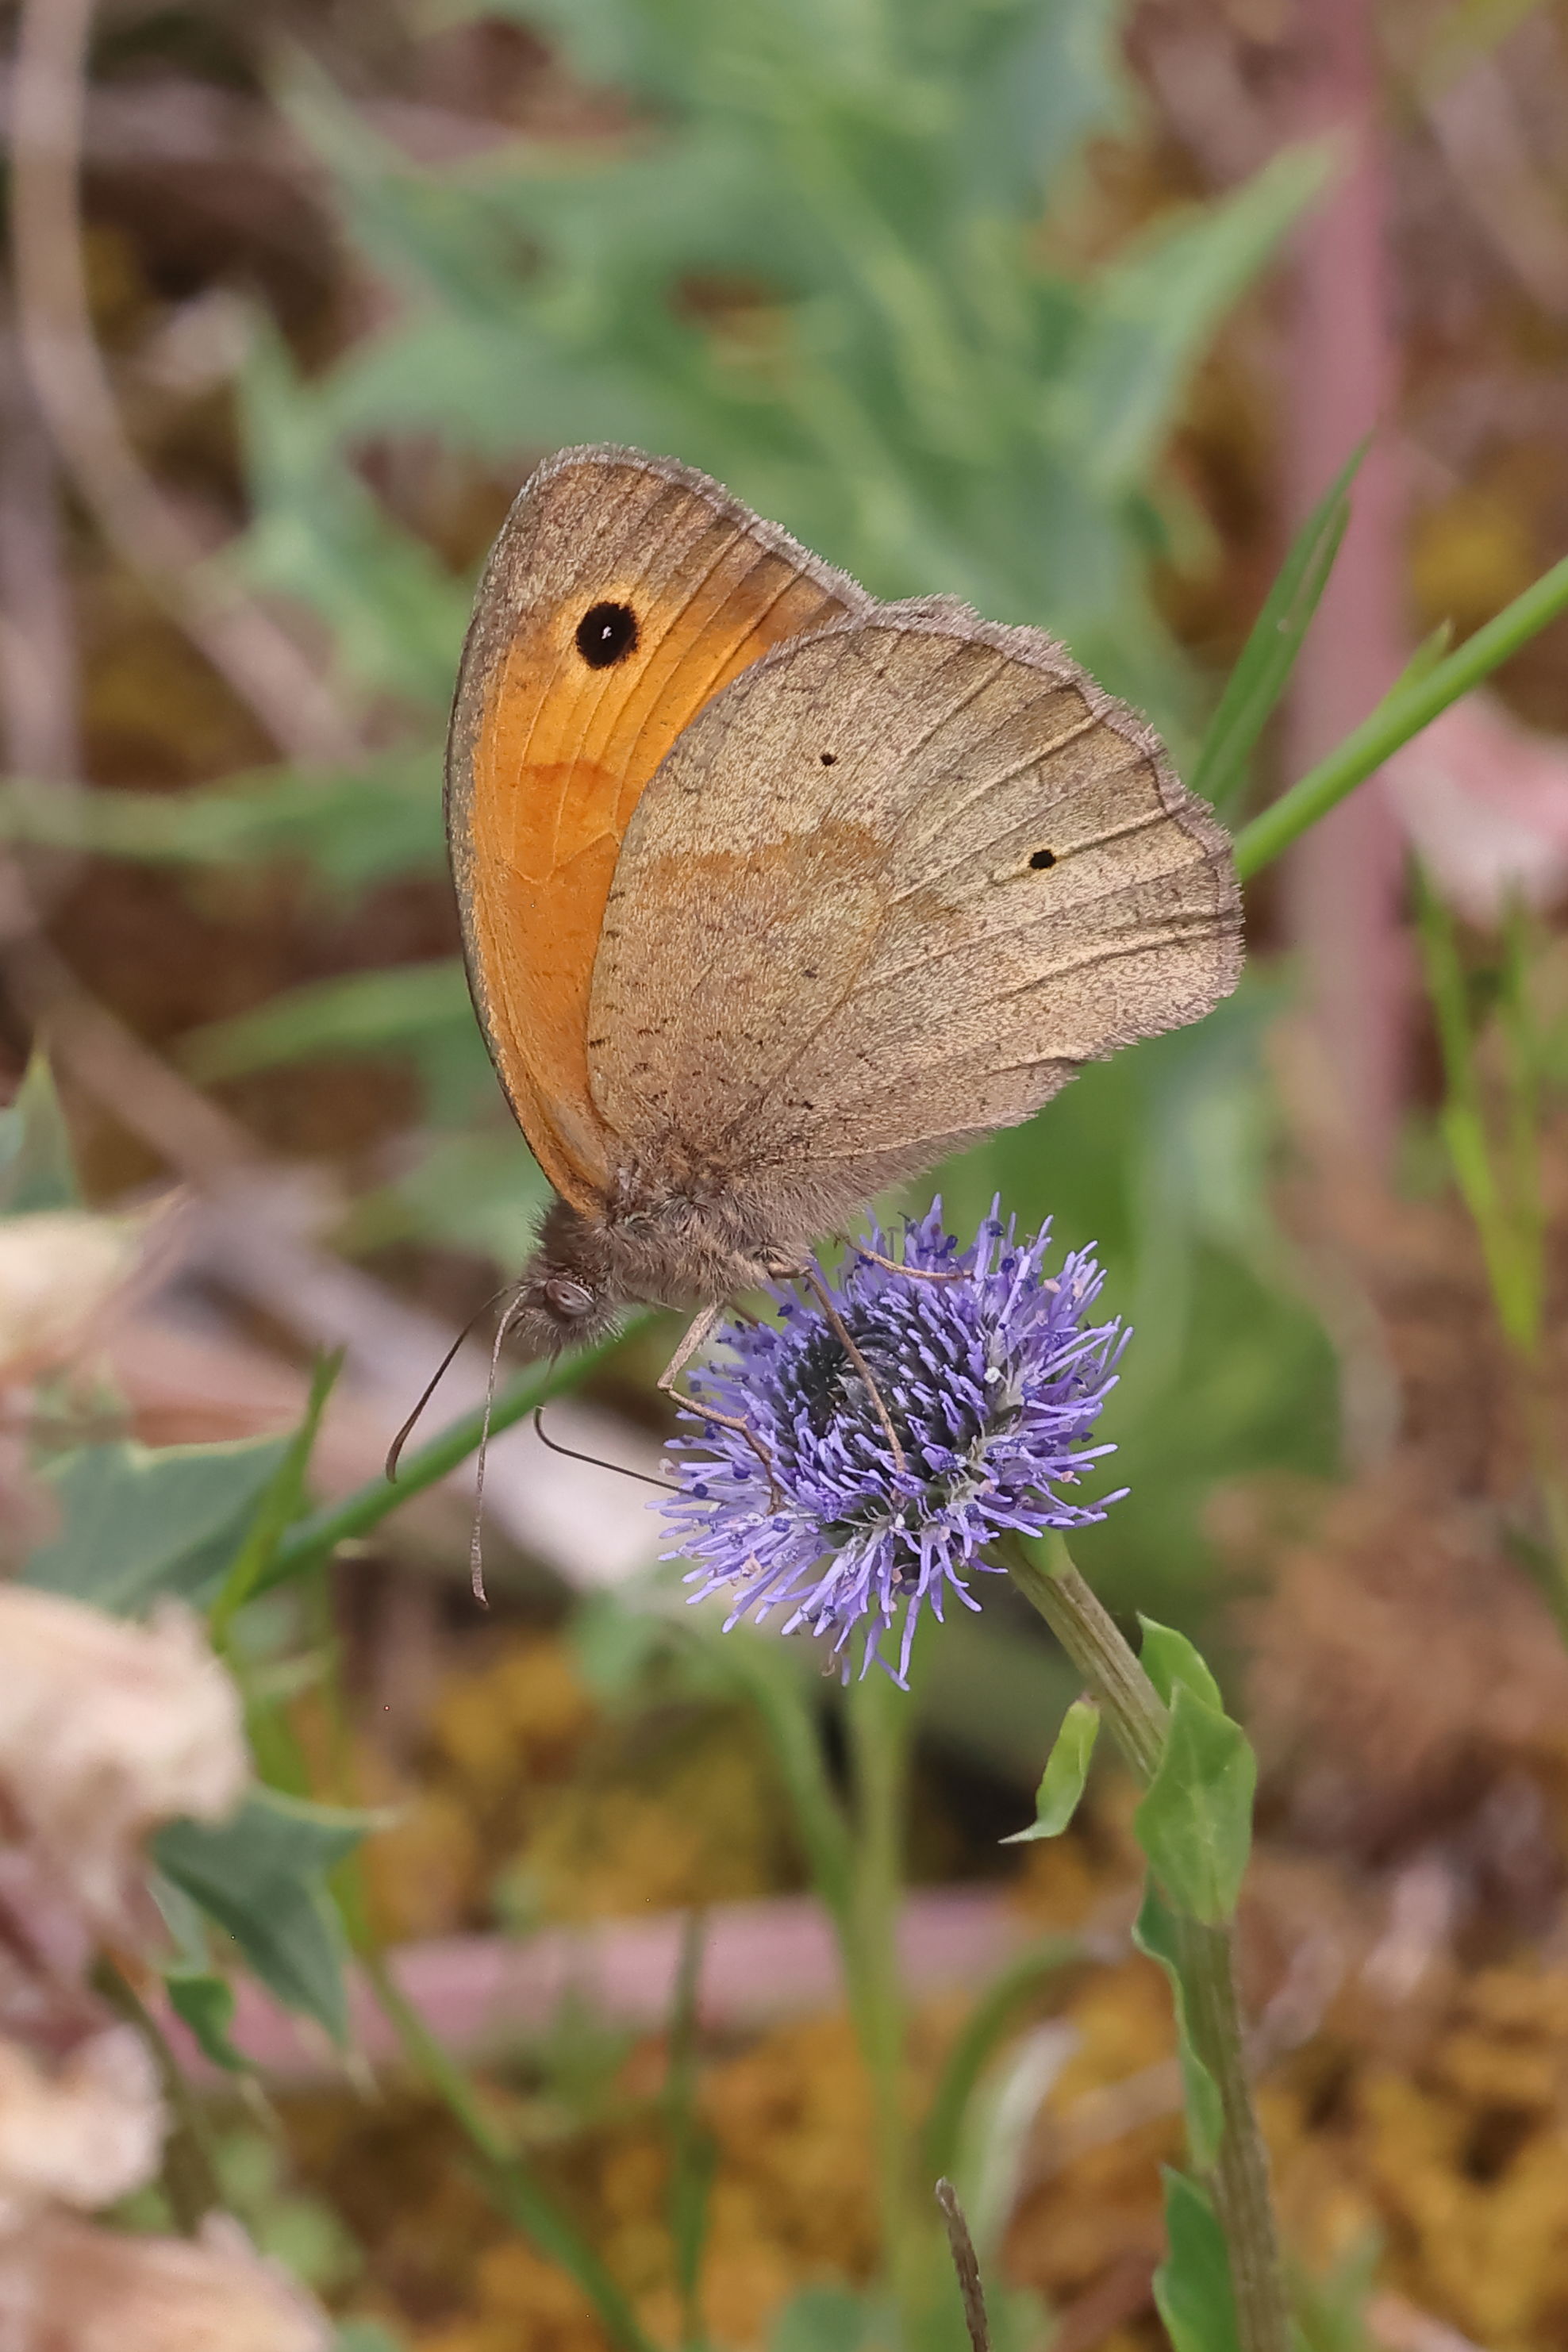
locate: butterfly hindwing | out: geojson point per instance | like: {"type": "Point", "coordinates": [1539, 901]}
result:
{"type": "Point", "coordinates": [888, 891]}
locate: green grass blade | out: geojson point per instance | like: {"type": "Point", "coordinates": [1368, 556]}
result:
{"type": "Point", "coordinates": [510, 2181]}
{"type": "Point", "coordinates": [1269, 656]}
{"type": "Point", "coordinates": [315, 1538]}
{"type": "Point", "coordinates": [1402, 714]}
{"type": "Point", "coordinates": [280, 1507]}
{"type": "Point", "coordinates": [992, 2019]}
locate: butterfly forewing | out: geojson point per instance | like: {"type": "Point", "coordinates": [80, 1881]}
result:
{"type": "Point", "coordinates": [623, 593]}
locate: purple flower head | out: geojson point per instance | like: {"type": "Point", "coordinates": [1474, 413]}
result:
{"type": "Point", "coordinates": [993, 1382]}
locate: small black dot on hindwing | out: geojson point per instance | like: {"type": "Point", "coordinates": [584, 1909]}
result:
{"type": "Point", "coordinates": [828, 758]}
{"type": "Point", "coordinates": [1042, 858]}
{"type": "Point", "coordinates": [607, 633]}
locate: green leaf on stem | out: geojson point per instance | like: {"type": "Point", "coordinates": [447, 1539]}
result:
{"type": "Point", "coordinates": [1169, 1658]}
{"type": "Point", "coordinates": [1195, 1821]}
{"type": "Point", "coordinates": [1193, 2286]}
{"type": "Point", "coordinates": [1256, 684]}
{"type": "Point", "coordinates": [205, 2003]}
{"type": "Point", "coordinates": [1154, 1933]}
{"type": "Point", "coordinates": [136, 1522]}
{"type": "Point", "coordinates": [262, 1876]}
{"type": "Point", "coordinates": [1066, 1773]}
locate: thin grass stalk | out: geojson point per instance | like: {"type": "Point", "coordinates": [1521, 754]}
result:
{"type": "Point", "coordinates": [1498, 1181]}
{"type": "Point", "coordinates": [1402, 714]}
{"type": "Point", "coordinates": [509, 2181]}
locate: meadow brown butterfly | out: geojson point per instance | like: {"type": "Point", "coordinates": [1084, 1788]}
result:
{"type": "Point", "coordinates": [773, 895]}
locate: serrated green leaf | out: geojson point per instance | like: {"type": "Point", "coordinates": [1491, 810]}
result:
{"type": "Point", "coordinates": [205, 2003]}
{"type": "Point", "coordinates": [1194, 1822]}
{"type": "Point", "coordinates": [137, 1521]}
{"type": "Point", "coordinates": [262, 1876]}
{"type": "Point", "coordinates": [1193, 2286]}
{"type": "Point", "coordinates": [1155, 1932]}
{"type": "Point", "coordinates": [1260, 679]}
{"type": "Point", "coordinates": [1170, 1659]}
{"type": "Point", "coordinates": [36, 1169]}
{"type": "Point", "coordinates": [1066, 1773]}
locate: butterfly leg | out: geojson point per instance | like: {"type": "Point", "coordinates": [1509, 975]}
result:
{"type": "Point", "coordinates": [698, 1332]}
{"type": "Point", "coordinates": [694, 1340]}
{"type": "Point", "coordinates": [899, 1266]}
{"type": "Point", "coordinates": [919, 1273]}
{"type": "Point", "coordinates": [840, 1329]}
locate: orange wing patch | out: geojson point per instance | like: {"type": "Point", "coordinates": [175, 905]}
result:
{"type": "Point", "coordinates": [563, 748]}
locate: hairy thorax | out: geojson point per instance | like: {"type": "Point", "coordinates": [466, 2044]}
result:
{"type": "Point", "coordinates": [675, 1251]}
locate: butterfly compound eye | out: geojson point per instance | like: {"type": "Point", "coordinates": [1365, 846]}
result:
{"type": "Point", "coordinates": [607, 633]}
{"type": "Point", "coordinates": [568, 1299]}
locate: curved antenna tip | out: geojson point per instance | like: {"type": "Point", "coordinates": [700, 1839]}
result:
{"type": "Point", "coordinates": [597, 1460]}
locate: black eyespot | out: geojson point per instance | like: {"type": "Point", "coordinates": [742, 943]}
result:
{"type": "Point", "coordinates": [828, 758]}
{"type": "Point", "coordinates": [1042, 858]}
{"type": "Point", "coordinates": [607, 633]}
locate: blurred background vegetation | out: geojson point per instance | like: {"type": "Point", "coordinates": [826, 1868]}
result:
{"type": "Point", "coordinates": [987, 297]}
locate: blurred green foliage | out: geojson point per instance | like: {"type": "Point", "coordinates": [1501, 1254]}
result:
{"type": "Point", "coordinates": [811, 259]}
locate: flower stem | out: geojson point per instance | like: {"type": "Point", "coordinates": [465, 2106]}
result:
{"type": "Point", "coordinates": [879, 1723]}
{"type": "Point", "coordinates": [1136, 1718]}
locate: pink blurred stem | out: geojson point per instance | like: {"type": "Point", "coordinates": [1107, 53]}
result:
{"type": "Point", "coordinates": [1342, 884]}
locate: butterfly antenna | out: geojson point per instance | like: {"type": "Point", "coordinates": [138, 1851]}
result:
{"type": "Point", "coordinates": [597, 1459]}
{"type": "Point", "coordinates": [395, 1451]}
{"type": "Point", "coordinates": [509, 1314]}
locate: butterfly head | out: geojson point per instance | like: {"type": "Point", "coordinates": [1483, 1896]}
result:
{"type": "Point", "coordinates": [567, 1297]}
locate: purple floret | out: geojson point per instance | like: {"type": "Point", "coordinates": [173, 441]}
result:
{"type": "Point", "coordinates": [993, 1383]}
